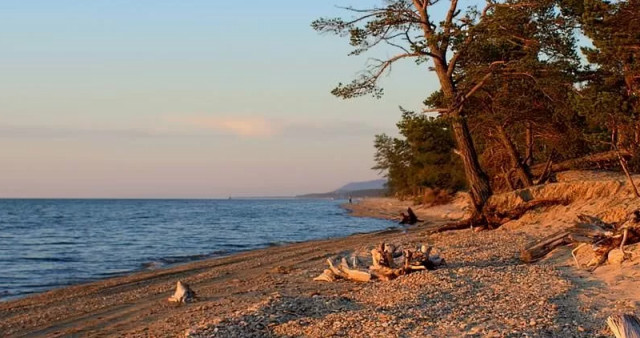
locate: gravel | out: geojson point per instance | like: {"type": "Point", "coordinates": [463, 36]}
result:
{"type": "Point", "coordinates": [483, 291]}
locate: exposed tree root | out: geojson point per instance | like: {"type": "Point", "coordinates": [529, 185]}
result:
{"type": "Point", "coordinates": [491, 218]}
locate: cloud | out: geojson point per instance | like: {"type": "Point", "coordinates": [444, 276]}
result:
{"type": "Point", "coordinates": [207, 126]}
{"type": "Point", "coordinates": [242, 126]}
{"type": "Point", "coordinates": [260, 127]}
{"type": "Point", "coordinates": [332, 129]}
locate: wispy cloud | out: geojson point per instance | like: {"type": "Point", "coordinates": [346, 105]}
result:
{"type": "Point", "coordinates": [206, 126]}
{"type": "Point", "coordinates": [240, 126]}
{"type": "Point", "coordinates": [260, 127]}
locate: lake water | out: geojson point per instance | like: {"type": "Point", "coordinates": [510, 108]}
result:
{"type": "Point", "coordinates": [46, 244]}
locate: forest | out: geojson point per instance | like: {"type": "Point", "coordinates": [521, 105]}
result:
{"type": "Point", "coordinates": [526, 88]}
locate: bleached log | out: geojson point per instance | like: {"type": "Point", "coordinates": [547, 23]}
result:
{"type": "Point", "coordinates": [386, 273]}
{"type": "Point", "coordinates": [352, 274]}
{"type": "Point", "coordinates": [183, 294]}
{"type": "Point", "coordinates": [624, 326]}
{"type": "Point", "coordinates": [326, 276]}
{"type": "Point", "coordinates": [336, 271]}
{"type": "Point", "coordinates": [376, 259]}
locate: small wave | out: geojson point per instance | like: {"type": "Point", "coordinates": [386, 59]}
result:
{"type": "Point", "coordinates": [180, 259]}
{"type": "Point", "coordinates": [61, 243]}
{"type": "Point", "coordinates": [114, 273]}
{"type": "Point", "coordinates": [234, 246]}
{"type": "Point", "coordinates": [152, 265]}
{"type": "Point", "coordinates": [278, 243]}
{"type": "Point", "coordinates": [164, 261]}
{"type": "Point", "coordinates": [49, 259]}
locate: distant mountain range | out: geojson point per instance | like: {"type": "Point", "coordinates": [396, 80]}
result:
{"type": "Point", "coordinates": [366, 185]}
{"type": "Point", "coordinates": [373, 188]}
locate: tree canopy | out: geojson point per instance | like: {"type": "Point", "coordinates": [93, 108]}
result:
{"type": "Point", "coordinates": [523, 83]}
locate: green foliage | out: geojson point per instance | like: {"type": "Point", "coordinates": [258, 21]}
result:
{"type": "Point", "coordinates": [610, 98]}
{"type": "Point", "coordinates": [508, 70]}
{"type": "Point", "coordinates": [422, 158]}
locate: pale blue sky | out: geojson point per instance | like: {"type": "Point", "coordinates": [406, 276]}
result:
{"type": "Point", "coordinates": [199, 98]}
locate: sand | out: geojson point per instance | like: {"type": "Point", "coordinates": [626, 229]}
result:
{"type": "Point", "coordinates": [484, 290]}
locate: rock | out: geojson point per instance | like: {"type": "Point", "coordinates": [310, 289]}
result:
{"type": "Point", "coordinates": [616, 257]}
{"type": "Point", "coordinates": [183, 294]}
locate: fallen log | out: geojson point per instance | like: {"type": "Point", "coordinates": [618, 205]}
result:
{"type": "Point", "coordinates": [586, 161]}
{"type": "Point", "coordinates": [540, 249]}
{"type": "Point", "coordinates": [624, 326]}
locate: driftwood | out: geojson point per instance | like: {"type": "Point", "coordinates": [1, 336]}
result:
{"type": "Point", "coordinates": [326, 276]}
{"type": "Point", "coordinates": [543, 247]}
{"type": "Point", "coordinates": [183, 294]}
{"type": "Point", "coordinates": [342, 271]}
{"type": "Point", "coordinates": [383, 265]}
{"type": "Point", "coordinates": [607, 240]}
{"type": "Point", "coordinates": [353, 274]}
{"type": "Point", "coordinates": [624, 326]}
{"type": "Point", "coordinates": [410, 217]}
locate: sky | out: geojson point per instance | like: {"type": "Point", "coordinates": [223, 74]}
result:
{"type": "Point", "coordinates": [185, 99]}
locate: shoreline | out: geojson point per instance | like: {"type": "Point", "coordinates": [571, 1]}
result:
{"type": "Point", "coordinates": [165, 253]}
{"type": "Point", "coordinates": [484, 289]}
{"type": "Point", "coordinates": [34, 315]}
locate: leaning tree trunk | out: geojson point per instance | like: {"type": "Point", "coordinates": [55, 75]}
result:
{"type": "Point", "coordinates": [521, 169]}
{"type": "Point", "coordinates": [478, 181]}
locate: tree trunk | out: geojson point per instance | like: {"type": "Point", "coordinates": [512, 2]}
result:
{"type": "Point", "coordinates": [521, 169]}
{"type": "Point", "coordinates": [529, 140]}
{"type": "Point", "coordinates": [478, 181]}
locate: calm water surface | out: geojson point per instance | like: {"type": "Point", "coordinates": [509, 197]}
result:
{"type": "Point", "coordinates": [51, 243]}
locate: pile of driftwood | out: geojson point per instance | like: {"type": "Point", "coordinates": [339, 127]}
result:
{"type": "Point", "coordinates": [607, 240]}
{"type": "Point", "coordinates": [384, 266]}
